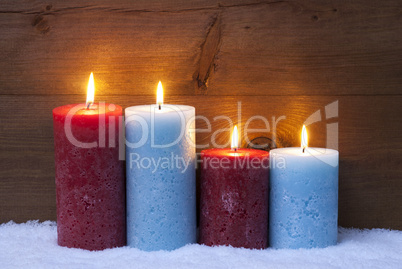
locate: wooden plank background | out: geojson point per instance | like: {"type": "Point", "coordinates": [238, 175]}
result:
{"type": "Point", "coordinates": [278, 58]}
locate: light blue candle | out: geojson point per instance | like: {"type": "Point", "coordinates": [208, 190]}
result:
{"type": "Point", "coordinates": [160, 159]}
{"type": "Point", "coordinates": [303, 198]}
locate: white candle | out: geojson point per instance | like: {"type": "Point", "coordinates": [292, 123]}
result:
{"type": "Point", "coordinates": [161, 205]}
{"type": "Point", "coordinates": [303, 197]}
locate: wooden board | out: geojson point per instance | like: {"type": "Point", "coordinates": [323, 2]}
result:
{"type": "Point", "coordinates": [235, 48]}
{"type": "Point", "coordinates": [288, 59]}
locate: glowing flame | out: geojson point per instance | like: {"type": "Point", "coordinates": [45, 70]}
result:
{"type": "Point", "coordinates": [159, 95]}
{"type": "Point", "coordinates": [235, 139]}
{"type": "Point", "coordinates": [90, 91]}
{"type": "Point", "coordinates": [304, 139]}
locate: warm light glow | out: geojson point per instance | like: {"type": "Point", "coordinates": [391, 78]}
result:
{"type": "Point", "coordinates": [159, 95]}
{"type": "Point", "coordinates": [90, 91]}
{"type": "Point", "coordinates": [235, 139]}
{"type": "Point", "coordinates": [304, 139]}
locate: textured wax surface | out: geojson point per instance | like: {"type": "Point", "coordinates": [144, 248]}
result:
{"type": "Point", "coordinates": [34, 245]}
{"type": "Point", "coordinates": [303, 203]}
{"type": "Point", "coordinates": [234, 200]}
{"type": "Point", "coordinates": [90, 185]}
{"type": "Point", "coordinates": [161, 209]}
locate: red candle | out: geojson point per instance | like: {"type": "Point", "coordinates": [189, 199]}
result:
{"type": "Point", "coordinates": [234, 197]}
{"type": "Point", "coordinates": [90, 182]}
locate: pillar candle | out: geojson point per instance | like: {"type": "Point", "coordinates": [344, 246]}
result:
{"type": "Point", "coordinates": [160, 156]}
{"type": "Point", "coordinates": [303, 198]}
{"type": "Point", "coordinates": [90, 183]}
{"type": "Point", "coordinates": [234, 197]}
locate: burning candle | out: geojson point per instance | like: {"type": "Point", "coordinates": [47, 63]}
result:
{"type": "Point", "coordinates": [90, 184]}
{"type": "Point", "coordinates": [303, 197]}
{"type": "Point", "coordinates": [160, 156]}
{"type": "Point", "coordinates": [234, 196]}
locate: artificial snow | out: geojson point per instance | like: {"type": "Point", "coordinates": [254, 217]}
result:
{"type": "Point", "coordinates": [34, 245]}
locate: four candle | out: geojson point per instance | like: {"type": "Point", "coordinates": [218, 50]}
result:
{"type": "Point", "coordinates": [160, 156]}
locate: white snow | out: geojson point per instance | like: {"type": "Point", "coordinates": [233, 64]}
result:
{"type": "Point", "coordinates": [33, 245]}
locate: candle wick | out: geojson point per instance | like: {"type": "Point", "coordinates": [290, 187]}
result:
{"type": "Point", "coordinates": [304, 149]}
{"type": "Point", "coordinates": [235, 149]}
{"type": "Point", "coordinates": [89, 104]}
{"type": "Point", "coordinates": [160, 107]}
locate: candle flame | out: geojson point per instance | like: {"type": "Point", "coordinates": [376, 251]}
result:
{"type": "Point", "coordinates": [304, 139]}
{"type": "Point", "coordinates": [159, 95]}
{"type": "Point", "coordinates": [90, 91]}
{"type": "Point", "coordinates": [235, 139]}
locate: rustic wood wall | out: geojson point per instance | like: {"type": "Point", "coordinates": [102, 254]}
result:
{"type": "Point", "coordinates": [278, 58]}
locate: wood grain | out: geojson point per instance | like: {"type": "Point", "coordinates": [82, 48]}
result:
{"type": "Point", "coordinates": [258, 48]}
{"type": "Point", "coordinates": [277, 58]}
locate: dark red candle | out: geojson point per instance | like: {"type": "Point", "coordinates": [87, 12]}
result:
{"type": "Point", "coordinates": [90, 179]}
{"type": "Point", "coordinates": [234, 198]}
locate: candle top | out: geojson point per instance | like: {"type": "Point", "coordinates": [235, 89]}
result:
{"type": "Point", "coordinates": [240, 152]}
{"type": "Point", "coordinates": [296, 151]}
{"type": "Point", "coordinates": [165, 108]}
{"type": "Point", "coordinates": [231, 159]}
{"type": "Point", "coordinates": [94, 109]}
